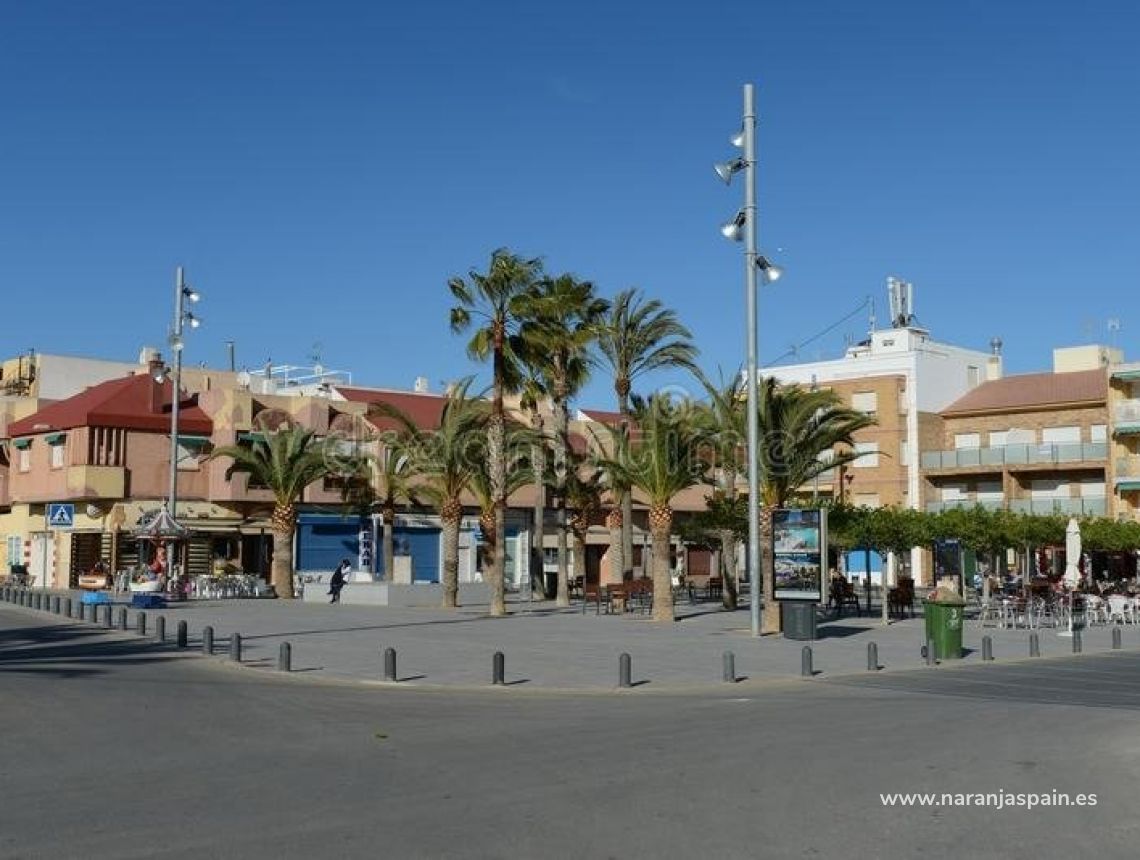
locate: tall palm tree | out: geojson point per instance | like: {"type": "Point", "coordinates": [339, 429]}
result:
{"type": "Point", "coordinates": [286, 460]}
{"type": "Point", "coordinates": [584, 489]}
{"type": "Point", "coordinates": [445, 461]}
{"type": "Point", "coordinates": [494, 297]}
{"type": "Point", "coordinates": [520, 441]}
{"type": "Point", "coordinates": [661, 459]}
{"type": "Point", "coordinates": [530, 402]}
{"type": "Point", "coordinates": [797, 427]}
{"type": "Point", "coordinates": [562, 317]}
{"type": "Point", "coordinates": [639, 336]}
{"type": "Point", "coordinates": [726, 432]}
{"type": "Point", "coordinates": [394, 478]}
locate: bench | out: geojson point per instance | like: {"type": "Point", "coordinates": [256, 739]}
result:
{"type": "Point", "coordinates": [900, 599]}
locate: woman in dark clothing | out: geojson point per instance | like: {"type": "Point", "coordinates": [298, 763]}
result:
{"type": "Point", "coordinates": [338, 579]}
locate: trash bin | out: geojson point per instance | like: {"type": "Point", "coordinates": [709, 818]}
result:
{"type": "Point", "coordinates": [944, 615]}
{"type": "Point", "coordinates": [797, 620]}
{"type": "Point", "coordinates": [549, 585]}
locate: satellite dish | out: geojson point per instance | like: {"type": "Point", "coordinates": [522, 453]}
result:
{"type": "Point", "coordinates": [95, 512]}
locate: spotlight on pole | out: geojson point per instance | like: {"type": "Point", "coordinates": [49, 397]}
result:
{"type": "Point", "coordinates": [726, 169]}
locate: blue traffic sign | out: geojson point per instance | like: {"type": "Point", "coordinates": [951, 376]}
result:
{"type": "Point", "coordinates": [60, 515]}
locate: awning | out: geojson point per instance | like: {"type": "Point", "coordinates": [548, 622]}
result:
{"type": "Point", "coordinates": [1125, 429]}
{"type": "Point", "coordinates": [22, 443]}
{"type": "Point", "coordinates": [192, 441]}
{"type": "Point", "coordinates": [1126, 374]}
{"type": "Point", "coordinates": [253, 436]}
{"type": "Point", "coordinates": [1128, 483]}
{"type": "Point", "coordinates": [55, 438]}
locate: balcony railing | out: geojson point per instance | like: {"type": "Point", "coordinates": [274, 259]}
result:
{"type": "Point", "coordinates": [1093, 506]}
{"type": "Point", "coordinates": [950, 504]}
{"type": "Point", "coordinates": [1016, 455]}
{"type": "Point", "coordinates": [1127, 415]}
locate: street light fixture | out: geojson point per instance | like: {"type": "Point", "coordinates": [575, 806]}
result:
{"type": "Point", "coordinates": [182, 294]}
{"type": "Point", "coordinates": [744, 226]}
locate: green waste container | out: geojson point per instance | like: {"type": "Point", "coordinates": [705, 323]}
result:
{"type": "Point", "coordinates": [945, 618]}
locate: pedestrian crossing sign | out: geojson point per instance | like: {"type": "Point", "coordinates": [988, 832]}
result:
{"type": "Point", "coordinates": [60, 516]}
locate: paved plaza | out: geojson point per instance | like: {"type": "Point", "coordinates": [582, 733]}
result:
{"type": "Point", "coordinates": [547, 648]}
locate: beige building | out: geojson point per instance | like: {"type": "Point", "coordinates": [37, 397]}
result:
{"type": "Point", "coordinates": [1124, 455]}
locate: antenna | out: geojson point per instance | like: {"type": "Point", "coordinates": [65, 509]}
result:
{"type": "Point", "coordinates": [871, 304]}
{"type": "Point", "coordinates": [1113, 331]}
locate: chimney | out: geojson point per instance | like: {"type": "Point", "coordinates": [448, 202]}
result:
{"type": "Point", "coordinates": [156, 371]}
{"type": "Point", "coordinates": [993, 364]}
{"type": "Point", "coordinates": [421, 385]}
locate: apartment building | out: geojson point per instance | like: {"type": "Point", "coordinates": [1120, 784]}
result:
{"type": "Point", "coordinates": [1124, 454]}
{"type": "Point", "coordinates": [1034, 443]}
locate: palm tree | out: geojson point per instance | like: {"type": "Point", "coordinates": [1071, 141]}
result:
{"type": "Point", "coordinates": [583, 489]}
{"type": "Point", "coordinates": [519, 440]}
{"type": "Point", "coordinates": [798, 426]}
{"type": "Point", "coordinates": [561, 324]}
{"type": "Point", "coordinates": [532, 396]}
{"type": "Point", "coordinates": [661, 459]}
{"type": "Point", "coordinates": [445, 461]}
{"type": "Point", "coordinates": [495, 297]}
{"type": "Point", "coordinates": [285, 461]}
{"type": "Point", "coordinates": [637, 337]}
{"type": "Point", "coordinates": [395, 486]}
{"type": "Point", "coordinates": [726, 431]}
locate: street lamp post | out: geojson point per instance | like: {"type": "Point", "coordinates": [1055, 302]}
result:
{"type": "Point", "coordinates": [744, 226]}
{"type": "Point", "coordinates": [182, 294]}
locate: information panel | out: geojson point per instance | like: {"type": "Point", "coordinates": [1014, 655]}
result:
{"type": "Point", "coordinates": [799, 544]}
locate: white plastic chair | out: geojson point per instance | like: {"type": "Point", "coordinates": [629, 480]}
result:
{"type": "Point", "coordinates": [1120, 609]}
{"type": "Point", "coordinates": [1095, 610]}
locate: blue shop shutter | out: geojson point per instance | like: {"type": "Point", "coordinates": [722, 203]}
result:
{"type": "Point", "coordinates": [422, 544]}
{"type": "Point", "coordinates": [323, 541]}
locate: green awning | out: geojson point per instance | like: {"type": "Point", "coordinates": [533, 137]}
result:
{"type": "Point", "coordinates": [55, 438]}
{"type": "Point", "coordinates": [193, 441]}
{"type": "Point", "coordinates": [251, 437]}
{"type": "Point", "coordinates": [1128, 483]}
{"type": "Point", "coordinates": [1126, 374]}
{"type": "Point", "coordinates": [21, 443]}
{"type": "Point", "coordinates": [1126, 429]}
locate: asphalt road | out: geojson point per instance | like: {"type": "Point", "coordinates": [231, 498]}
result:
{"type": "Point", "coordinates": [113, 747]}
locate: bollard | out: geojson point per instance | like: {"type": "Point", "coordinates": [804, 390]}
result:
{"type": "Point", "coordinates": [390, 664]}
{"type": "Point", "coordinates": [872, 657]}
{"type": "Point", "coordinates": [498, 668]}
{"type": "Point", "coordinates": [37, 601]}
{"type": "Point", "coordinates": [1076, 641]}
{"type": "Point", "coordinates": [182, 637]}
{"type": "Point", "coordinates": [930, 661]}
{"type": "Point", "coordinates": [1034, 644]}
{"type": "Point", "coordinates": [108, 619]}
{"type": "Point", "coordinates": [1116, 644]}
{"type": "Point", "coordinates": [729, 668]}
{"type": "Point", "coordinates": [81, 611]}
{"type": "Point", "coordinates": [987, 649]}
{"type": "Point", "coordinates": [160, 628]}
{"type": "Point", "coordinates": [625, 671]}
{"type": "Point", "coordinates": [285, 658]}
{"type": "Point", "coordinates": [235, 647]}
{"type": "Point", "coordinates": [67, 607]}
{"type": "Point", "coordinates": [207, 640]}
{"type": "Point", "coordinates": [55, 605]}
{"type": "Point", "coordinates": [140, 624]}
{"type": "Point", "coordinates": [122, 618]}
{"type": "Point", "coordinates": [805, 662]}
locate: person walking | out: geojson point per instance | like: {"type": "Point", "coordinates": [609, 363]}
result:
{"type": "Point", "coordinates": [338, 579]}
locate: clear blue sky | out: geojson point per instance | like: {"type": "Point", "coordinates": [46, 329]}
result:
{"type": "Point", "coordinates": [321, 169]}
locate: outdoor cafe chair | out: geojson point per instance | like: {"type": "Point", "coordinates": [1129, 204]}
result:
{"type": "Point", "coordinates": [1095, 611]}
{"type": "Point", "coordinates": [1120, 608]}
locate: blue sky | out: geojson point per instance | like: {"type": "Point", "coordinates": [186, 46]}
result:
{"type": "Point", "coordinates": [323, 169]}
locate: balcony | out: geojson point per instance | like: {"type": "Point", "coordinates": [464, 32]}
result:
{"type": "Point", "coordinates": [1127, 474]}
{"type": "Point", "coordinates": [1126, 417]}
{"type": "Point", "coordinates": [968, 504]}
{"type": "Point", "coordinates": [1093, 506]}
{"type": "Point", "coordinates": [96, 482]}
{"type": "Point", "coordinates": [995, 459]}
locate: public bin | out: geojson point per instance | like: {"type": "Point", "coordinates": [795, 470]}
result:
{"type": "Point", "coordinates": [797, 620]}
{"type": "Point", "coordinates": [945, 618]}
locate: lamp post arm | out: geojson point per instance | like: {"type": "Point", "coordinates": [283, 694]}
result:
{"type": "Point", "coordinates": [176, 380]}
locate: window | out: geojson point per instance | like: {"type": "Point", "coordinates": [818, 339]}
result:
{"type": "Point", "coordinates": [25, 460]}
{"type": "Point", "coordinates": [1098, 433]}
{"type": "Point", "coordinates": [1049, 488]}
{"type": "Point", "coordinates": [904, 452]}
{"type": "Point", "coordinates": [953, 492]}
{"type": "Point", "coordinates": [990, 491]}
{"type": "Point", "coordinates": [865, 401]}
{"type": "Point", "coordinates": [967, 440]}
{"type": "Point", "coordinates": [188, 456]}
{"type": "Point", "coordinates": [57, 455]}
{"type": "Point", "coordinates": [1092, 488]}
{"type": "Point", "coordinates": [1060, 434]}
{"type": "Point", "coordinates": [973, 376]}
{"type": "Point", "coordinates": [15, 547]}
{"type": "Point", "coordinates": [999, 438]}
{"type": "Point", "coordinates": [869, 455]}
{"type": "Point", "coordinates": [866, 500]}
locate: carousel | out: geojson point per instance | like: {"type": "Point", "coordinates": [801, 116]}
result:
{"type": "Point", "coordinates": [161, 541]}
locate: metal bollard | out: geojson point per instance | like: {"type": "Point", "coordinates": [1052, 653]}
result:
{"type": "Point", "coordinates": [81, 610]}
{"type": "Point", "coordinates": [55, 605]}
{"type": "Point", "coordinates": [930, 660]}
{"type": "Point", "coordinates": [67, 607]}
{"type": "Point", "coordinates": [1116, 643]}
{"type": "Point", "coordinates": [872, 657]}
{"type": "Point", "coordinates": [1076, 641]}
{"type": "Point", "coordinates": [987, 648]}
{"type": "Point", "coordinates": [140, 623]}
{"type": "Point", "coordinates": [235, 647]}
{"type": "Point", "coordinates": [37, 601]}
{"type": "Point", "coordinates": [1034, 644]}
{"type": "Point", "coordinates": [498, 668]}
{"type": "Point", "coordinates": [625, 671]}
{"type": "Point", "coordinates": [806, 668]}
{"type": "Point", "coordinates": [729, 674]}
{"type": "Point", "coordinates": [108, 619]}
{"type": "Point", "coordinates": [390, 664]}
{"type": "Point", "coordinates": [160, 628]}
{"type": "Point", "coordinates": [122, 618]}
{"type": "Point", "coordinates": [207, 640]}
{"type": "Point", "coordinates": [285, 658]}
{"type": "Point", "coordinates": [182, 634]}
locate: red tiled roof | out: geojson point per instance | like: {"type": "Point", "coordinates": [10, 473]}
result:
{"type": "Point", "coordinates": [120, 403]}
{"type": "Point", "coordinates": [603, 417]}
{"type": "Point", "coordinates": [1033, 391]}
{"type": "Point", "coordinates": [424, 409]}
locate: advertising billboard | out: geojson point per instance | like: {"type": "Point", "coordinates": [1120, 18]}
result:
{"type": "Point", "coordinates": [799, 549]}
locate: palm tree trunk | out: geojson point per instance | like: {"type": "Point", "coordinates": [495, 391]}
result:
{"type": "Point", "coordinates": [389, 548]}
{"type": "Point", "coordinates": [282, 570]}
{"type": "Point", "coordinates": [496, 435]}
{"type": "Point", "coordinates": [626, 499]}
{"type": "Point", "coordinates": [450, 517]}
{"type": "Point", "coordinates": [660, 524]}
{"type": "Point", "coordinates": [617, 565]}
{"type": "Point", "coordinates": [538, 532]}
{"type": "Point", "coordinates": [580, 556]}
{"type": "Point", "coordinates": [561, 444]}
{"type": "Point", "coordinates": [728, 563]}
{"type": "Point", "coordinates": [770, 622]}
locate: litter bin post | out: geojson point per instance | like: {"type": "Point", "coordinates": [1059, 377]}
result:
{"type": "Point", "coordinates": [798, 620]}
{"type": "Point", "coordinates": [944, 615]}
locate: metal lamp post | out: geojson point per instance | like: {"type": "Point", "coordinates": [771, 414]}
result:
{"type": "Point", "coordinates": [744, 226]}
{"type": "Point", "coordinates": [182, 294]}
